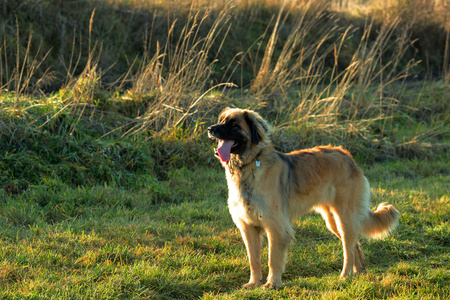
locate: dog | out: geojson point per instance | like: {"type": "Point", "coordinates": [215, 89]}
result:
{"type": "Point", "coordinates": [269, 189]}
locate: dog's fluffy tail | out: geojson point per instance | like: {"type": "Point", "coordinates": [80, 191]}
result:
{"type": "Point", "coordinates": [380, 223]}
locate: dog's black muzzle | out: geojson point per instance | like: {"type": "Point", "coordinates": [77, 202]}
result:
{"type": "Point", "coordinates": [212, 130]}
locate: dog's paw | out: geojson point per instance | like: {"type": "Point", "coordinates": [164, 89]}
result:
{"type": "Point", "coordinates": [272, 286]}
{"type": "Point", "coordinates": [346, 275]}
{"type": "Point", "coordinates": [251, 285]}
{"type": "Point", "coordinates": [359, 271]}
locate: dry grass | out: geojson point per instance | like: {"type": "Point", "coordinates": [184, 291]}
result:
{"type": "Point", "coordinates": [340, 102]}
{"type": "Point", "coordinates": [304, 48]}
{"type": "Point", "coordinates": [19, 78]}
{"type": "Point", "coordinates": [176, 77]}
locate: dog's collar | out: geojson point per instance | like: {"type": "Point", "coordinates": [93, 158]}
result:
{"type": "Point", "coordinates": [257, 161]}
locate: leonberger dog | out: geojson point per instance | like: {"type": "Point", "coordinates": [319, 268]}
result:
{"type": "Point", "coordinates": [268, 190]}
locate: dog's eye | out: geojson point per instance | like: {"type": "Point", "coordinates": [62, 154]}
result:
{"type": "Point", "coordinates": [235, 124]}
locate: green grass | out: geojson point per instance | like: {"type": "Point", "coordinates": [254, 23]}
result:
{"type": "Point", "coordinates": [182, 243]}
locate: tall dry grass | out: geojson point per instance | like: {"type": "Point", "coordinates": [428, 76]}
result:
{"type": "Point", "coordinates": [176, 78]}
{"type": "Point", "coordinates": [302, 49]}
{"type": "Point", "coordinates": [170, 83]}
{"type": "Point", "coordinates": [20, 77]}
{"type": "Point", "coordinates": [428, 20]}
{"type": "Point", "coordinates": [332, 100]}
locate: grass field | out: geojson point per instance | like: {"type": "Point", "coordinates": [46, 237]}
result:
{"type": "Point", "coordinates": [109, 188]}
{"type": "Point", "coordinates": [175, 239]}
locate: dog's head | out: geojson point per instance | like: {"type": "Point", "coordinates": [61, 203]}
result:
{"type": "Point", "coordinates": [238, 132]}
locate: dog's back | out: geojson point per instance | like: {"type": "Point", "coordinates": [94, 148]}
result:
{"type": "Point", "coordinates": [328, 176]}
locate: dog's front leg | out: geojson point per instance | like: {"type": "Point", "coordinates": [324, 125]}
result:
{"type": "Point", "coordinates": [279, 241]}
{"type": "Point", "coordinates": [253, 242]}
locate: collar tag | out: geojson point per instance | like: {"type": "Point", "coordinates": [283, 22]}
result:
{"type": "Point", "coordinates": [258, 163]}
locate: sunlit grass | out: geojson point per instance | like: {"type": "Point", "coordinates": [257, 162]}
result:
{"type": "Point", "coordinates": [191, 249]}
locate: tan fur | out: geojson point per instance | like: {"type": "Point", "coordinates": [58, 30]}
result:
{"type": "Point", "coordinates": [268, 197]}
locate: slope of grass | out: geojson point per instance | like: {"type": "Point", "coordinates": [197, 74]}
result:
{"type": "Point", "coordinates": [44, 143]}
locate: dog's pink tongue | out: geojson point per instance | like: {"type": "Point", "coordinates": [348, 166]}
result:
{"type": "Point", "coordinates": [224, 150]}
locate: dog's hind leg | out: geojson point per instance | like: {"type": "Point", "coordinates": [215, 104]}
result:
{"type": "Point", "coordinates": [253, 242]}
{"type": "Point", "coordinates": [359, 265]}
{"type": "Point", "coordinates": [349, 235]}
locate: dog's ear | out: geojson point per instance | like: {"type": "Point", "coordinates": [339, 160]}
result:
{"type": "Point", "coordinates": [259, 128]}
{"type": "Point", "coordinates": [254, 134]}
